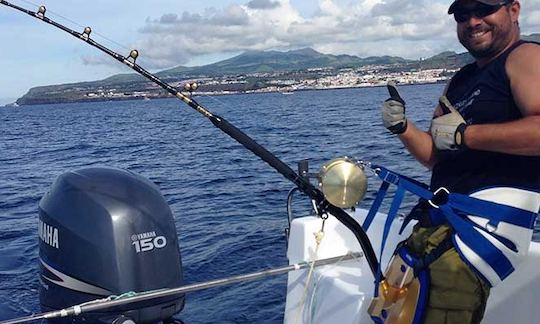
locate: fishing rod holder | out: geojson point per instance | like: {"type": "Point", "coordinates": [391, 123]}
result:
{"type": "Point", "coordinates": [303, 171]}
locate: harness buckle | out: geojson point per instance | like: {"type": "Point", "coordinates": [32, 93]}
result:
{"type": "Point", "coordinates": [491, 228]}
{"type": "Point", "coordinates": [440, 197]}
{"type": "Point", "coordinates": [391, 178]}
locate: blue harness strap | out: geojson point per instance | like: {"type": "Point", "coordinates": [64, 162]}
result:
{"type": "Point", "coordinates": [482, 246]}
{"type": "Point", "coordinates": [376, 205]}
{"type": "Point", "coordinates": [388, 177]}
{"type": "Point", "coordinates": [396, 202]}
{"type": "Point", "coordinates": [493, 211]}
{"type": "Point", "coordinates": [453, 208]}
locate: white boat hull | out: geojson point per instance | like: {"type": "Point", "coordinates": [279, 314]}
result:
{"type": "Point", "coordinates": [341, 293]}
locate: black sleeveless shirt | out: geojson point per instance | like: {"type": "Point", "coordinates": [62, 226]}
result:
{"type": "Point", "coordinates": [483, 96]}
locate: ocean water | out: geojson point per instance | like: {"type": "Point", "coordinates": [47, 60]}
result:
{"type": "Point", "coordinates": [229, 207]}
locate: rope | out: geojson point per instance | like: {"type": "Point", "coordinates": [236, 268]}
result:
{"type": "Point", "coordinates": [124, 295]}
{"type": "Point", "coordinates": [110, 298]}
{"type": "Point", "coordinates": [316, 285]}
{"type": "Point", "coordinates": [318, 239]}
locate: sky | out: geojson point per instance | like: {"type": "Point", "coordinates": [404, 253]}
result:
{"type": "Point", "coordinates": [169, 33]}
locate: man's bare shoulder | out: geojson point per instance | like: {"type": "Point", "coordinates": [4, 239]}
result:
{"type": "Point", "coordinates": [525, 58]}
{"type": "Point", "coordinates": [523, 69]}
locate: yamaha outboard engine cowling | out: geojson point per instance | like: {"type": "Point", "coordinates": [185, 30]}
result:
{"type": "Point", "coordinates": [105, 232]}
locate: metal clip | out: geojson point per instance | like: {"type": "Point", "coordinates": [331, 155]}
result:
{"type": "Point", "coordinates": [437, 200]}
{"type": "Point", "coordinates": [315, 207]}
{"type": "Point", "coordinates": [364, 164]}
{"type": "Point", "coordinates": [491, 228]}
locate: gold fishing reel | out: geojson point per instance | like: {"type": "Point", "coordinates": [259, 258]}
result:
{"type": "Point", "coordinates": [343, 182]}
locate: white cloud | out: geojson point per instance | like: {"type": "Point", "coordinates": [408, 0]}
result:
{"type": "Point", "coordinates": [530, 16]}
{"type": "Point", "coordinates": [361, 27]}
{"type": "Point", "coordinates": [263, 4]}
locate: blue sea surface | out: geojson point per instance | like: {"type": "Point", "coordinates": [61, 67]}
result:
{"type": "Point", "coordinates": [229, 206]}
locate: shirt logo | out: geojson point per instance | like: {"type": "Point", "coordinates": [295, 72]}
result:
{"type": "Point", "coordinates": [463, 104]}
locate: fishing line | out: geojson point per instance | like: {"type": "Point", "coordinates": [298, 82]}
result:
{"type": "Point", "coordinates": [102, 36]}
{"type": "Point", "coordinates": [213, 98]}
{"type": "Point", "coordinates": [222, 104]}
{"type": "Point", "coordinates": [77, 24]}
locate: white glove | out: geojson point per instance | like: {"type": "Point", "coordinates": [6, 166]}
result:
{"type": "Point", "coordinates": [393, 111]}
{"type": "Point", "coordinates": [447, 130]}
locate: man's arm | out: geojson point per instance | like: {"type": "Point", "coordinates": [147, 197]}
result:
{"type": "Point", "coordinates": [419, 144]}
{"type": "Point", "coordinates": [520, 137]}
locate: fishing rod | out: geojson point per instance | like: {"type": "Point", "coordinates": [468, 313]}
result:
{"type": "Point", "coordinates": [323, 206]}
{"type": "Point", "coordinates": [131, 298]}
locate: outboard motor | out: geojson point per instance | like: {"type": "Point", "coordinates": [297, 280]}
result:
{"type": "Point", "coordinates": [105, 232]}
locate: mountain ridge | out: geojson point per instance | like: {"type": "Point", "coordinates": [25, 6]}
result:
{"type": "Point", "coordinates": [247, 63]}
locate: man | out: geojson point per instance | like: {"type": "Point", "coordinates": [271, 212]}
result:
{"type": "Point", "coordinates": [490, 140]}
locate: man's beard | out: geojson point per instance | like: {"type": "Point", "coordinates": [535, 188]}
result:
{"type": "Point", "coordinates": [500, 38]}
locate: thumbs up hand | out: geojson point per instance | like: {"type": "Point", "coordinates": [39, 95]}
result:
{"type": "Point", "coordinates": [448, 129]}
{"type": "Point", "coordinates": [393, 111]}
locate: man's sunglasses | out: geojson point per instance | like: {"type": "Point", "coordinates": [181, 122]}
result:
{"type": "Point", "coordinates": [481, 10]}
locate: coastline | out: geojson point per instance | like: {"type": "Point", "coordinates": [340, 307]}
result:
{"type": "Point", "coordinates": [284, 90]}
